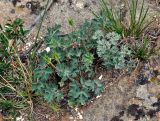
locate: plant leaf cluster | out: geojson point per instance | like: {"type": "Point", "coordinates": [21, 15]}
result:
{"type": "Point", "coordinates": [70, 58]}
{"type": "Point", "coordinates": [113, 55]}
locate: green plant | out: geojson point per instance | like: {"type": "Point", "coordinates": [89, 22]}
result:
{"type": "Point", "coordinates": [70, 59]}
{"type": "Point", "coordinates": [54, 106]}
{"type": "Point", "coordinates": [10, 108]}
{"type": "Point", "coordinates": [15, 76]}
{"type": "Point", "coordinates": [111, 20]}
{"type": "Point", "coordinates": [6, 105]}
{"type": "Point", "coordinates": [71, 22]}
{"type": "Point", "coordinates": [80, 93]}
{"type": "Point", "coordinates": [10, 35]}
{"type": "Point", "coordinates": [142, 49]}
{"type": "Point", "coordinates": [108, 48]}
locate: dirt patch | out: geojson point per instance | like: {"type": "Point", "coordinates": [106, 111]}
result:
{"type": "Point", "coordinates": [9, 11]}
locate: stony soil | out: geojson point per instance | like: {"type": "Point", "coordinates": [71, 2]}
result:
{"type": "Point", "coordinates": [127, 96]}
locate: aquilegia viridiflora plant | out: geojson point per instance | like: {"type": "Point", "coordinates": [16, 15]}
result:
{"type": "Point", "coordinates": [113, 56]}
{"type": "Point", "coordinates": [70, 59]}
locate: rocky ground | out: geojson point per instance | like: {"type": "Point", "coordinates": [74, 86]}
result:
{"type": "Point", "coordinates": [127, 97]}
{"type": "Point", "coordinates": [132, 97]}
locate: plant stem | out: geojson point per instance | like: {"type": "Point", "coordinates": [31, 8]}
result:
{"type": "Point", "coordinates": [41, 21]}
{"type": "Point", "coordinates": [36, 41]}
{"type": "Point", "coordinates": [10, 86]}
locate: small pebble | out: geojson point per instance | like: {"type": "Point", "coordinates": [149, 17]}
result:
{"type": "Point", "coordinates": [13, 11]}
{"type": "Point", "coordinates": [80, 5]}
{"type": "Point", "coordinates": [141, 79]}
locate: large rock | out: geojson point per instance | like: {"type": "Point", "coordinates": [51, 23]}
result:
{"type": "Point", "coordinates": [143, 93]}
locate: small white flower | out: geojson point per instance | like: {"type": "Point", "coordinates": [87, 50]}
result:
{"type": "Point", "coordinates": [48, 49]}
{"type": "Point", "coordinates": [100, 78]}
{"type": "Point", "coordinates": [98, 96]}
